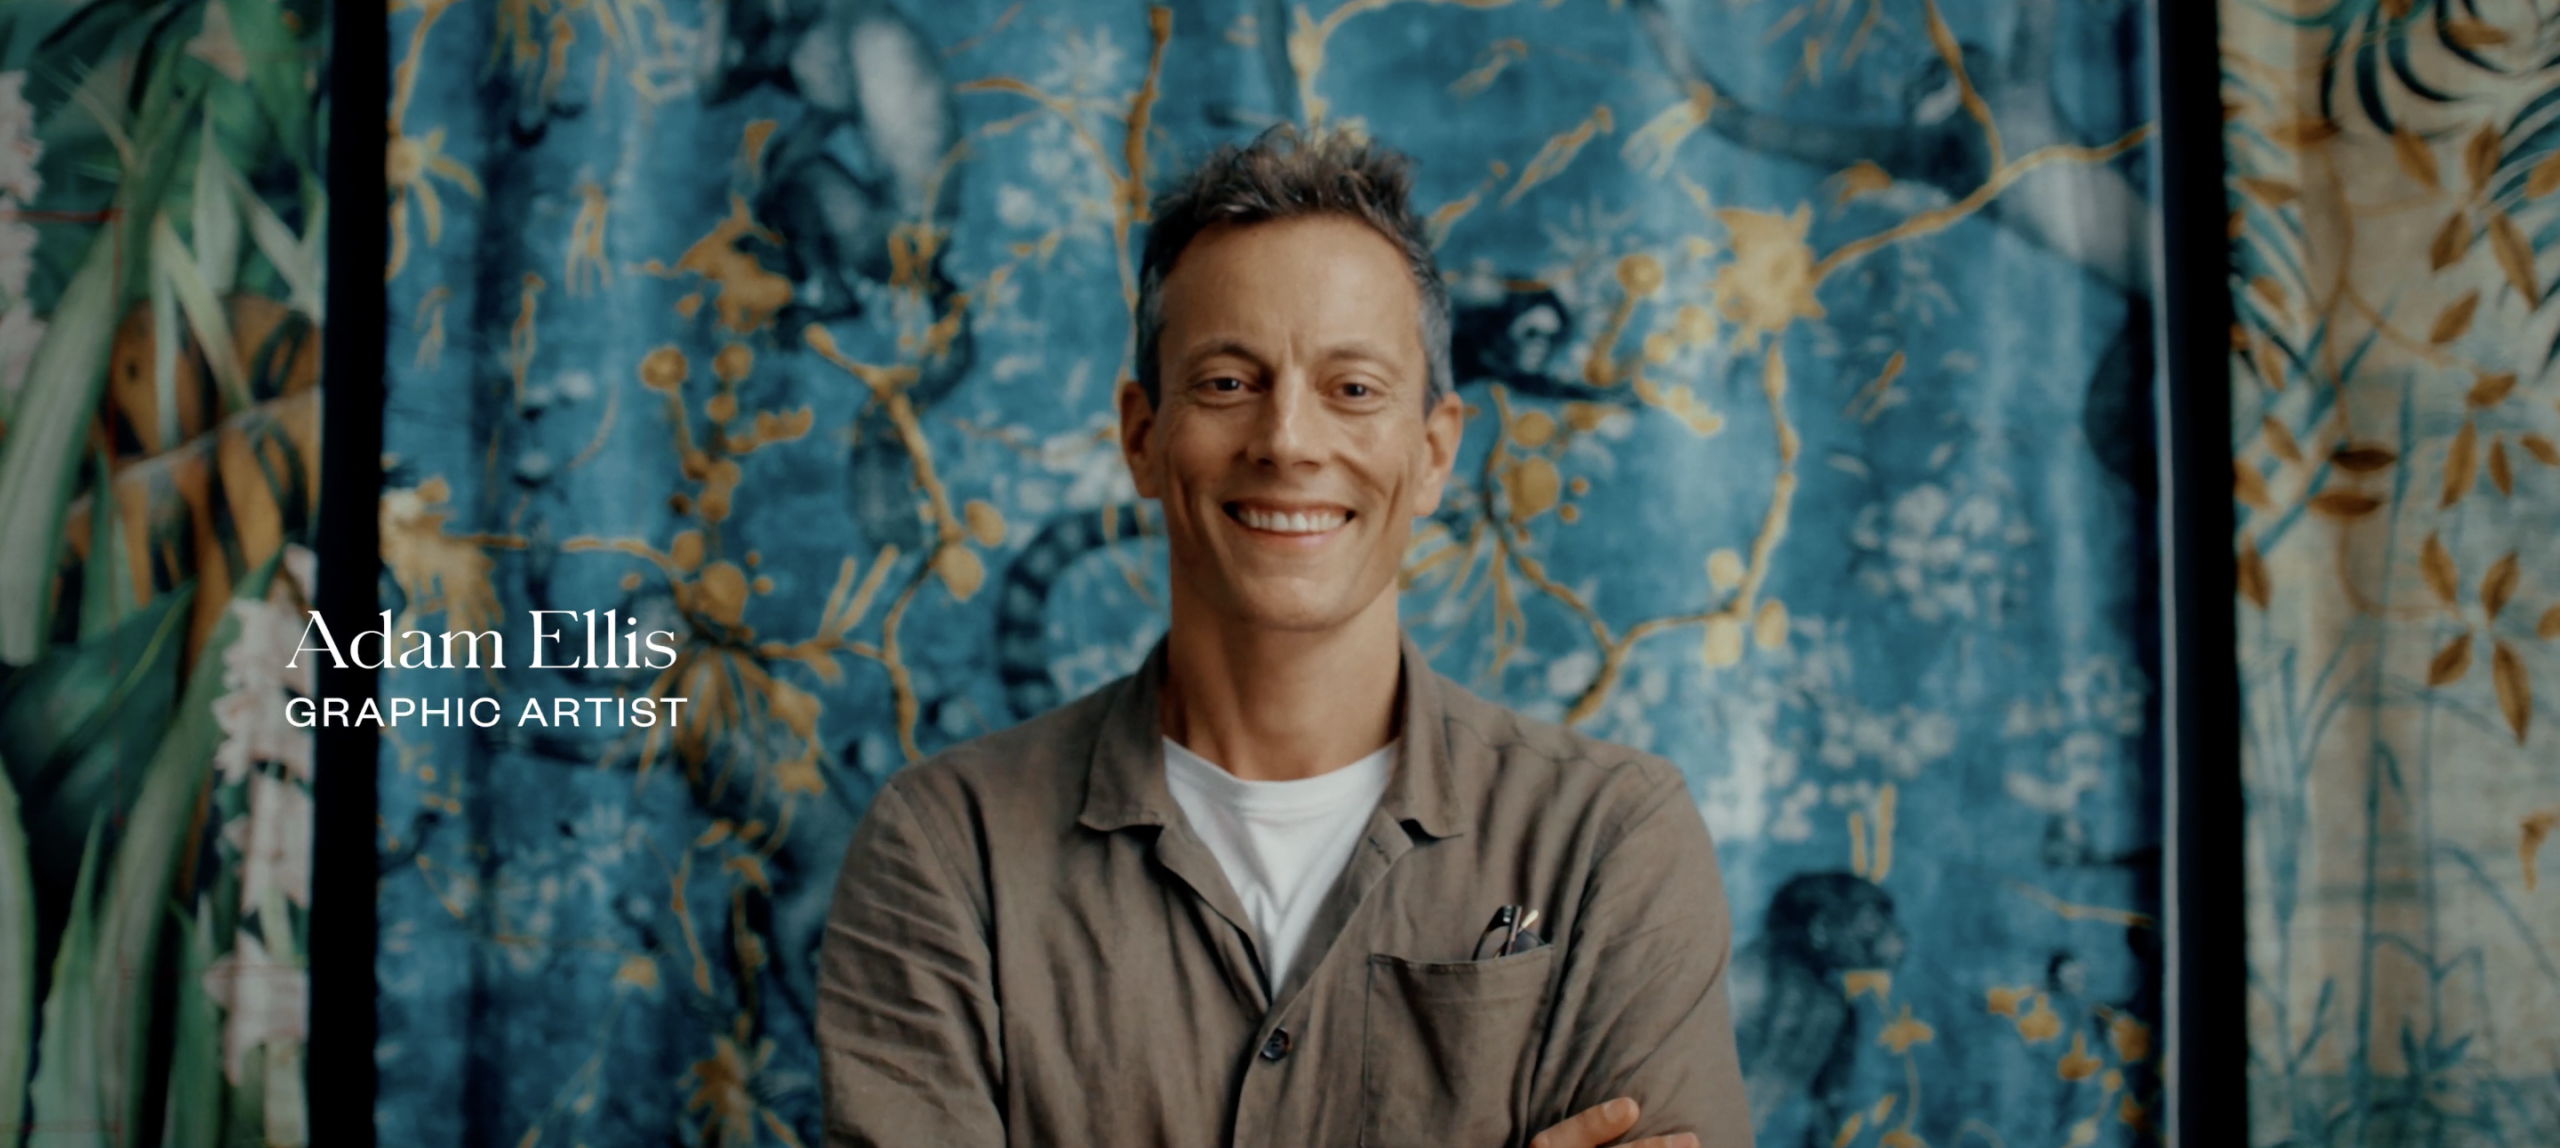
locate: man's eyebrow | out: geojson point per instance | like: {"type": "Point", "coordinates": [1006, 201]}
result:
{"type": "Point", "coordinates": [1218, 348]}
{"type": "Point", "coordinates": [1360, 350]}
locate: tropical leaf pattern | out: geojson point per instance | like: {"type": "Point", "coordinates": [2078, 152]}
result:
{"type": "Point", "coordinates": [2392, 166]}
{"type": "Point", "coordinates": [161, 215]}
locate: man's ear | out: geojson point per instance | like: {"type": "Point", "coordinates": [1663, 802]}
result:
{"type": "Point", "coordinates": [1441, 430]}
{"type": "Point", "coordinates": [1137, 424]}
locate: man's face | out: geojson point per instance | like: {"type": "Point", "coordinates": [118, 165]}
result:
{"type": "Point", "coordinates": [1289, 443]}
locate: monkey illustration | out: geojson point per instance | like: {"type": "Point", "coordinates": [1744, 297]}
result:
{"type": "Point", "coordinates": [865, 159]}
{"type": "Point", "coordinates": [865, 156]}
{"type": "Point", "coordinates": [2094, 215]}
{"type": "Point", "coordinates": [1513, 331]}
{"type": "Point", "coordinates": [1022, 639]}
{"type": "Point", "coordinates": [1794, 1023]}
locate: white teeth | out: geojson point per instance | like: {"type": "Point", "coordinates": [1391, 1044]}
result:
{"type": "Point", "coordinates": [1290, 523]}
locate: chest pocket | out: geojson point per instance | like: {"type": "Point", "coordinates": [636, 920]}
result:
{"type": "Point", "coordinates": [1446, 1049]}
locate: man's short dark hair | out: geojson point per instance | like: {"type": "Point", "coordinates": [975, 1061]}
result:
{"type": "Point", "coordinates": [1285, 175]}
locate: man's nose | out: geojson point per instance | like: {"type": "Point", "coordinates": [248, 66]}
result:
{"type": "Point", "coordinates": [1286, 432]}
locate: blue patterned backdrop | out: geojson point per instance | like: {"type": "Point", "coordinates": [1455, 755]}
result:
{"type": "Point", "coordinates": [1807, 348]}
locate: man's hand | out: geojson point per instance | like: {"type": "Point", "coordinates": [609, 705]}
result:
{"type": "Point", "coordinates": [1602, 1124]}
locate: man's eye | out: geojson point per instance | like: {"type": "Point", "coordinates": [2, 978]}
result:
{"type": "Point", "coordinates": [1356, 390]}
{"type": "Point", "coordinates": [1226, 384]}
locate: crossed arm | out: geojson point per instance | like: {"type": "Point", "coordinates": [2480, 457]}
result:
{"type": "Point", "coordinates": [1642, 1045]}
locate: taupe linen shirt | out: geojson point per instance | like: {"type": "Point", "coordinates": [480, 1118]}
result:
{"type": "Point", "coordinates": [1030, 946]}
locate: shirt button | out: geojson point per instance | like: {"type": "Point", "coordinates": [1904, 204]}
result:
{"type": "Point", "coordinates": [1277, 1046]}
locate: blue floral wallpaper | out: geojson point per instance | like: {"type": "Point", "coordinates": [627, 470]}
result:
{"type": "Point", "coordinates": [1807, 344]}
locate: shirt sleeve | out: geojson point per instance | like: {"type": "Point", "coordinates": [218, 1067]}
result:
{"type": "Point", "coordinates": [908, 1031]}
{"type": "Point", "coordinates": [1641, 1008]}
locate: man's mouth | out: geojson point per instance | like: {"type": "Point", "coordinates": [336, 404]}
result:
{"type": "Point", "coordinates": [1323, 520]}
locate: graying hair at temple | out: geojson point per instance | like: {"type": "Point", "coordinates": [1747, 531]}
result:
{"type": "Point", "coordinates": [1285, 175]}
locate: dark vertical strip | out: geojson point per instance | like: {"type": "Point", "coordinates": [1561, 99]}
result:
{"type": "Point", "coordinates": [2207, 1046]}
{"type": "Point", "coordinates": [340, 1069]}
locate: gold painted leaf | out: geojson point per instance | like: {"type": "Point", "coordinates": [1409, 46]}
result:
{"type": "Point", "coordinates": [1533, 486]}
{"type": "Point", "coordinates": [2437, 566]}
{"type": "Point", "coordinates": [2451, 662]}
{"type": "Point", "coordinates": [2515, 688]}
{"type": "Point", "coordinates": [961, 571]}
{"type": "Point", "coordinates": [2465, 32]}
{"type": "Point", "coordinates": [2461, 464]}
{"type": "Point", "coordinates": [663, 370]}
{"type": "Point", "coordinates": [2514, 257]}
{"type": "Point", "coordinates": [2077, 1065]}
{"type": "Point", "coordinates": [2500, 474]}
{"type": "Point", "coordinates": [2131, 1037]}
{"type": "Point", "coordinates": [2415, 156]}
{"type": "Point", "coordinates": [2248, 487]}
{"type": "Point", "coordinates": [1583, 416]}
{"type": "Point", "coordinates": [2545, 177]}
{"type": "Point", "coordinates": [2004, 1001]}
{"type": "Point", "coordinates": [2363, 458]}
{"type": "Point", "coordinates": [1905, 1032]}
{"type": "Point", "coordinates": [2280, 440]}
{"type": "Point", "coordinates": [2537, 825]}
{"type": "Point", "coordinates": [1862, 178]}
{"type": "Point", "coordinates": [2491, 389]}
{"type": "Point", "coordinates": [1533, 429]}
{"type": "Point", "coordinates": [638, 971]}
{"type": "Point", "coordinates": [1770, 628]}
{"type": "Point", "coordinates": [2542, 449]}
{"type": "Point", "coordinates": [2235, 226]}
{"type": "Point", "coordinates": [2451, 241]}
{"type": "Point", "coordinates": [986, 523]}
{"type": "Point", "coordinates": [2396, 9]}
{"type": "Point", "coordinates": [1883, 1108]}
{"type": "Point", "coordinates": [2310, 131]}
{"type": "Point", "coordinates": [2253, 574]}
{"type": "Point", "coordinates": [2345, 504]}
{"type": "Point", "coordinates": [1723, 644]}
{"type": "Point", "coordinates": [2268, 292]}
{"type": "Point", "coordinates": [2548, 629]}
{"type": "Point", "coordinates": [1900, 1138]}
{"type": "Point", "coordinates": [1877, 983]}
{"type": "Point", "coordinates": [2271, 364]}
{"type": "Point", "coordinates": [2272, 192]}
{"type": "Point", "coordinates": [2456, 319]}
{"type": "Point", "coordinates": [2040, 1024]}
{"type": "Point", "coordinates": [2498, 586]}
{"type": "Point", "coordinates": [1725, 569]}
{"type": "Point", "coordinates": [2480, 156]}
{"type": "Point", "coordinates": [1849, 1129]}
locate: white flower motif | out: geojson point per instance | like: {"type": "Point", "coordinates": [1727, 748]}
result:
{"type": "Point", "coordinates": [1016, 206]}
{"type": "Point", "coordinates": [18, 240]}
{"type": "Point", "coordinates": [274, 841]}
{"type": "Point", "coordinates": [256, 680]}
{"type": "Point", "coordinates": [1939, 553]}
{"type": "Point", "coordinates": [263, 1002]}
{"type": "Point", "coordinates": [20, 333]}
{"type": "Point", "coordinates": [1084, 70]}
{"type": "Point", "coordinates": [20, 150]}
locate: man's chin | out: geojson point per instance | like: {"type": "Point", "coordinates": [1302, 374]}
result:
{"type": "Point", "coordinates": [1292, 610]}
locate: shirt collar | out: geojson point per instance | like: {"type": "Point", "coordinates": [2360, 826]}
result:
{"type": "Point", "coordinates": [1124, 778]}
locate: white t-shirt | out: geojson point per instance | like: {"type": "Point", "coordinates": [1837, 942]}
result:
{"type": "Point", "coordinates": [1281, 843]}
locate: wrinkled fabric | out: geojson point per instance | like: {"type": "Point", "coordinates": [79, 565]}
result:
{"type": "Point", "coordinates": [1029, 944]}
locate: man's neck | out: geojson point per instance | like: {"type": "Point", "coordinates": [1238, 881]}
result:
{"type": "Point", "coordinates": [1285, 705]}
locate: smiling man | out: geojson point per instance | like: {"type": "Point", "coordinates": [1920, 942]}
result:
{"type": "Point", "coordinates": [1285, 885]}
